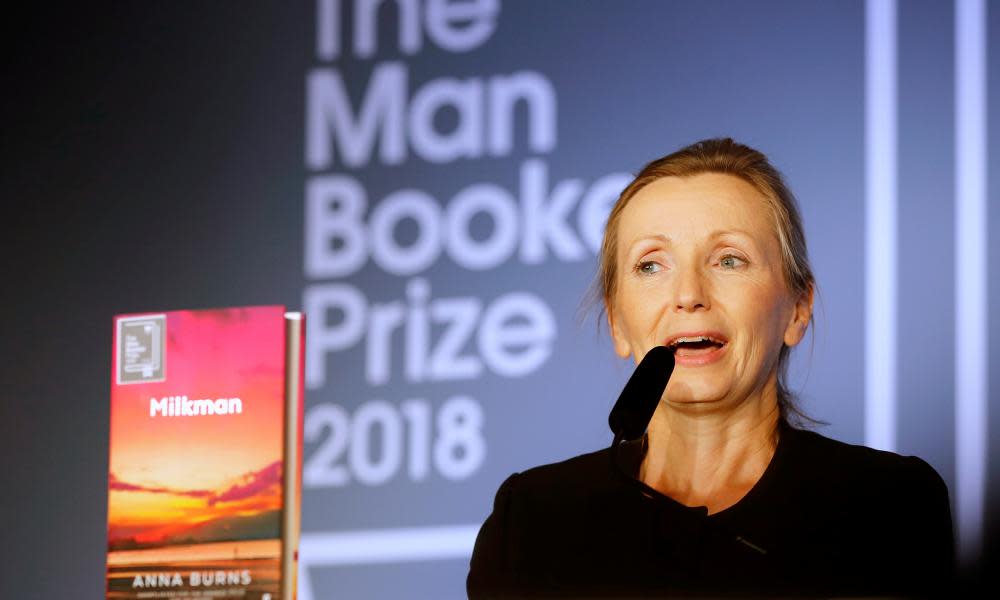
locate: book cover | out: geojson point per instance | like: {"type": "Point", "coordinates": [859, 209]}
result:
{"type": "Point", "coordinates": [205, 454]}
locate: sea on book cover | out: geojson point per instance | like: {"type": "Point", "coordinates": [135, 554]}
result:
{"type": "Point", "coordinates": [205, 454]}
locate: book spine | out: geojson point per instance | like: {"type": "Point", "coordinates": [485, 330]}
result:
{"type": "Point", "coordinates": [292, 472]}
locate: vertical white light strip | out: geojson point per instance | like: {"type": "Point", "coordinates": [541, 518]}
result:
{"type": "Point", "coordinates": [880, 224]}
{"type": "Point", "coordinates": [971, 372]}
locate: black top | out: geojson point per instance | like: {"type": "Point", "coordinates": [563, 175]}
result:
{"type": "Point", "coordinates": [825, 518]}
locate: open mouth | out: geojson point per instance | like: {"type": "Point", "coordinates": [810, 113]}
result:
{"type": "Point", "coordinates": [695, 345]}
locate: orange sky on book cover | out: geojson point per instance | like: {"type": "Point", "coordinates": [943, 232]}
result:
{"type": "Point", "coordinates": [169, 474]}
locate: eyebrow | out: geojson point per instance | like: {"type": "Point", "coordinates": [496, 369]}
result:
{"type": "Point", "coordinates": [659, 237]}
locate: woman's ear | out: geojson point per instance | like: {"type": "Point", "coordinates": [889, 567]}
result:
{"type": "Point", "coordinates": [622, 347]}
{"type": "Point", "coordinates": [801, 315]}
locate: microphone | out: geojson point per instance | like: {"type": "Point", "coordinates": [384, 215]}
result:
{"type": "Point", "coordinates": [635, 406]}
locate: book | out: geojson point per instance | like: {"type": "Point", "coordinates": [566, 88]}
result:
{"type": "Point", "coordinates": [205, 457]}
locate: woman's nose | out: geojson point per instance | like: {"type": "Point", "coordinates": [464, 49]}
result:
{"type": "Point", "coordinates": [689, 291]}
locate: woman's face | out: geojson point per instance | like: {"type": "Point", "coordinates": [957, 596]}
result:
{"type": "Point", "coordinates": [699, 257]}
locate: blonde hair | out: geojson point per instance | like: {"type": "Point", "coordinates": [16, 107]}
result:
{"type": "Point", "coordinates": [725, 156]}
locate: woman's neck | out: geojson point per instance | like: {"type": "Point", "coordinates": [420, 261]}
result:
{"type": "Point", "coordinates": [710, 459]}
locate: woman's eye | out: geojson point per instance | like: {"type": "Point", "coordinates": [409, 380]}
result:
{"type": "Point", "coordinates": [648, 267]}
{"type": "Point", "coordinates": [730, 261]}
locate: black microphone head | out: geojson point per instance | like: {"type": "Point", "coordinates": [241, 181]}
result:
{"type": "Point", "coordinates": [637, 402]}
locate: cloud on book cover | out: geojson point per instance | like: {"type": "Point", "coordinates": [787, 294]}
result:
{"type": "Point", "coordinates": [255, 483]}
{"type": "Point", "coordinates": [117, 485]}
{"type": "Point", "coordinates": [252, 484]}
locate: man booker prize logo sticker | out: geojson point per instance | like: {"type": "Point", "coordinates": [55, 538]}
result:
{"type": "Point", "coordinates": [141, 344]}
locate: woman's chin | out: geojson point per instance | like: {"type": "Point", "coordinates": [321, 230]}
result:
{"type": "Point", "coordinates": [696, 399]}
{"type": "Point", "coordinates": [697, 406]}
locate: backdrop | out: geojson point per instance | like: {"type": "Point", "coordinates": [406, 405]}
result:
{"type": "Point", "coordinates": [428, 181]}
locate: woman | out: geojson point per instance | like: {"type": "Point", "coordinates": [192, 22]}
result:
{"type": "Point", "coordinates": [704, 253]}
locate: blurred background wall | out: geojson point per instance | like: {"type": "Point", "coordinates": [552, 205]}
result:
{"type": "Point", "coordinates": [428, 180]}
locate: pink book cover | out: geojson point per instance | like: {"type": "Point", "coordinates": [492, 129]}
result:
{"type": "Point", "coordinates": [205, 454]}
